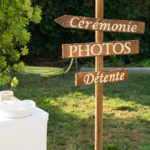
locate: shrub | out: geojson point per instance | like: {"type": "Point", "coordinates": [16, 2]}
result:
{"type": "Point", "coordinates": [145, 63]}
{"type": "Point", "coordinates": [15, 16]}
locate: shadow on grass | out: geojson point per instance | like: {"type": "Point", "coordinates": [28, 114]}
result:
{"type": "Point", "coordinates": [136, 89]}
{"type": "Point", "coordinates": [69, 132]}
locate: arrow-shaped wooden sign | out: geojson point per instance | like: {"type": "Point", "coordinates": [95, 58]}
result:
{"type": "Point", "coordinates": [88, 78]}
{"type": "Point", "coordinates": [80, 50]}
{"type": "Point", "coordinates": [108, 25]}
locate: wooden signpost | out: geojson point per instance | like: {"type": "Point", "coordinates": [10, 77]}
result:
{"type": "Point", "coordinates": [98, 50]}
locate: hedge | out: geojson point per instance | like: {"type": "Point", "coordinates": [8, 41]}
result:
{"type": "Point", "coordinates": [48, 36]}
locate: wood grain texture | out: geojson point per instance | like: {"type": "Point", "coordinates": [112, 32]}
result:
{"type": "Point", "coordinates": [99, 36]}
{"type": "Point", "coordinates": [107, 25]}
{"type": "Point", "coordinates": [80, 50]}
{"type": "Point", "coordinates": [89, 78]}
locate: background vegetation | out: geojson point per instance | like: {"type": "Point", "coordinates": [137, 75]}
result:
{"type": "Point", "coordinates": [48, 36]}
{"type": "Point", "coordinates": [15, 16]}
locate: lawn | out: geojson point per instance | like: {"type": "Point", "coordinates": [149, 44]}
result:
{"type": "Point", "coordinates": [71, 111]}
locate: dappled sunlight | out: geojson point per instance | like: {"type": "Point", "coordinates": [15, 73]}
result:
{"type": "Point", "coordinates": [130, 128]}
{"type": "Point", "coordinates": [125, 110]}
{"type": "Point", "coordinates": [136, 89]}
{"type": "Point", "coordinates": [72, 111]}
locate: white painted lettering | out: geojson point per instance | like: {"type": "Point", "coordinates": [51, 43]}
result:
{"type": "Point", "coordinates": [101, 78]}
{"type": "Point", "coordinates": [96, 79]}
{"type": "Point", "coordinates": [95, 26]}
{"type": "Point", "coordinates": [134, 28]}
{"type": "Point", "coordinates": [104, 26]}
{"type": "Point", "coordinates": [129, 28]}
{"type": "Point", "coordinates": [107, 47]}
{"type": "Point", "coordinates": [71, 22]}
{"type": "Point", "coordinates": [116, 51]}
{"type": "Point", "coordinates": [88, 79]}
{"type": "Point", "coordinates": [114, 27]}
{"type": "Point", "coordinates": [122, 27]}
{"type": "Point", "coordinates": [127, 46]}
{"type": "Point", "coordinates": [112, 78]}
{"type": "Point", "coordinates": [122, 76]}
{"type": "Point", "coordinates": [88, 23]}
{"type": "Point", "coordinates": [99, 49]}
{"type": "Point", "coordinates": [84, 50]}
{"type": "Point", "coordinates": [81, 23]}
{"type": "Point", "coordinates": [106, 79]}
{"type": "Point", "coordinates": [73, 49]}
{"type": "Point", "coordinates": [117, 76]}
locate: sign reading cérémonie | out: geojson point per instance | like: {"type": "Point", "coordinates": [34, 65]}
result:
{"type": "Point", "coordinates": [108, 25]}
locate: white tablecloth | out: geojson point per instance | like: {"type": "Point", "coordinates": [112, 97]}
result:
{"type": "Point", "coordinates": [28, 133]}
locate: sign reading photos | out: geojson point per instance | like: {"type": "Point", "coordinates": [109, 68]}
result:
{"type": "Point", "coordinates": [80, 50]}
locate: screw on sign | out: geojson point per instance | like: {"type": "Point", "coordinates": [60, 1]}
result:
{"type": "Point", "coordinates": [98, 50]}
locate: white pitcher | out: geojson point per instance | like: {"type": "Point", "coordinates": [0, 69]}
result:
{"type": "Point", "coordinates": [7, 97]}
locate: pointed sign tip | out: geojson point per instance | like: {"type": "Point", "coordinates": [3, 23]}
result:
{"type": "Point", "coordinates": [57, 20]}
{"type": "Point", "coordinates": [60, 21]}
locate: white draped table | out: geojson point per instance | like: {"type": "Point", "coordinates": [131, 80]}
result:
{"type": "Point", "coordinates": [28, 133]}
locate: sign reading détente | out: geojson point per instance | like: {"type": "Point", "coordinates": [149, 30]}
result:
{"type": "Point", "coordinates": [88, 78]}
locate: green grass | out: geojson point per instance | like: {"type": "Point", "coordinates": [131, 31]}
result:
{"type": "Point", "coordinates": [71, 111]}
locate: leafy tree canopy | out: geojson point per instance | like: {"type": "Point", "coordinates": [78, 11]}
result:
{"type": "Point", "coordinates": [15, 16]}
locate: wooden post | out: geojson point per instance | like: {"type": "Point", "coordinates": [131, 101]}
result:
{"type": "Point", "coordinates": [99, 13]}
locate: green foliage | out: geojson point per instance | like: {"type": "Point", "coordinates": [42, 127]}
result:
{"type": "Point", "coordinates": [111, 147]}
{"type": "Point", "coordinates": [15, 16]}
{"type": "Point", "coordinates": [19, 67]}
{"type": "Point", "coordinates": [48, 36]}
{"type": "Point", "coordinates": [145, 63]}
{"type": "Point", "coordinates": [114, 61]}
{"type": "Point", "coordinates": [14, 82]}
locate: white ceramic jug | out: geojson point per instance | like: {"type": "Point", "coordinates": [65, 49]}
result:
{"type": "Point", "coordinates": [7, 97]}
